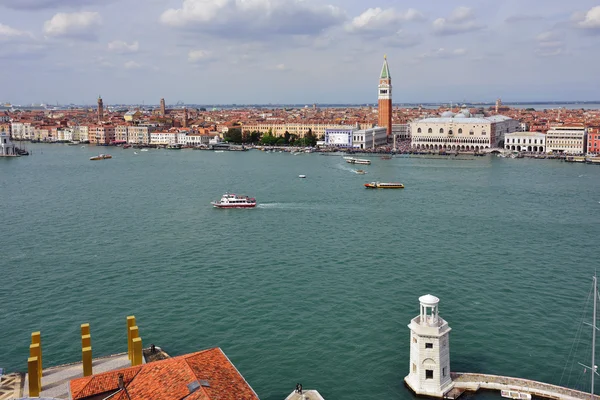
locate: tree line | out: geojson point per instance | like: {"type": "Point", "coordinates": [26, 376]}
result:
{"type": "Point", "coordinates": [237, 136]}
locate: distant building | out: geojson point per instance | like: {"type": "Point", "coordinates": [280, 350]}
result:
{"type": "Point", "coordinates": [100, 109]}
{"type": "Point", "coordinates": [101, 134]}
{"type": "Point", "coordinates": [593, 140]}
{"type": "Point", "coordinates": [206, 375]}
{"type": "Point", "coordinates": [163, 110]}
{"type": "Point", "coordinates": [339, 137]}
{"type": "Point", "coordinates": [369, 138]}
{"type": "Point", "coordinates": [132, 115]}
{"type": "Point", "coordinates": [22, 130]}
{"type": "Point", "coordinates": [566, 139]}
{"type": "Point", "coordinates": [401, 131]}
{"type": "Point", "coordinates": [385, 98]}
{"type": "Point", "coordinates": [139, 134]}
{"type": "Point", "coordinates": [533, 142]}
{"type": "Point", "coordinates": [461, 131]}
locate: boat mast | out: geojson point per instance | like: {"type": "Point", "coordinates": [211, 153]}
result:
{"type": "Point", "coordinates": [593, 374]}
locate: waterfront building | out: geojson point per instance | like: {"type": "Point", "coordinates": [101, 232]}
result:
{"type": "Point", "coordinates": [101, 134]}
{"type": "Point", "coordinates": [64, 134]}
{"type": "Point", "coordinates": [525, 141]}
{"type": "Point", "coordinates": [100, 109]}
{"type": "Point", "coordinates": [81, 133]}
{"type": "Point", "coordinates": [461, 131]}
{"type": "Point", "coordinates": [139, 134]}
{"type": "Point", "coordinates": [401, 131]}
{"type": "Point", "coordinates": [42, 133]}
{"type": "Point", "coordinates": [163, 138]}
{"type": "Point", "coordinates": [593, 140]}
{"type": "Point", "coordinates": [206, 375]}
{"type": "Point", "coordinates": [22, 130]}
{"type": "Point", "coordinates": [385, 98]}
{"type": "Point", "coordinates": [7, 148]}
{"type": "Point", "coordinates": [121, 133]}
{"type": "Point", "coordinates": [429, 369]}
{"type": "Point", "coordinates": [299, 129]}
{"type": "Point", "coordinates": [341, 137]}
{"type": "Point", "coordinates": [566, 139]}
{"type": "Point", "coordinates": [369, 138]}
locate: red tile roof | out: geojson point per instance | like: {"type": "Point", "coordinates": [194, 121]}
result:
{"type": "Point", "coordinates": [168, 379]}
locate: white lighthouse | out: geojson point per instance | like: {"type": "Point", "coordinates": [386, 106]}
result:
{"type": "Point", "coordinates": [429, 351]}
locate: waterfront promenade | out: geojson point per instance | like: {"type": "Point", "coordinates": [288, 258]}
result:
{"type": "Point", "coordinates": [472, 382]}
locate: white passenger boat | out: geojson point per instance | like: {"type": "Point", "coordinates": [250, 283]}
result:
{"type": "Point", "coordinates": [515, 394]}
{"type": "Point", "coordinates": [352, 160]}
{"type": "Point", "coordinates": [230, 200]}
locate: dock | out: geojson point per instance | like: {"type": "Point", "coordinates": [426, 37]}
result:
{"type": "Point", "coordinates": [306, 395]}
{"type": "Point", "coordinates": [469, 382]}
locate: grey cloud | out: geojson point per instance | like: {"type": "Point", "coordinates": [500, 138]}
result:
{"type": "Point", "coordinates": [515, 19]}
{"type": "Point", "coordinates": [253, 18]}
{"type": "Point", "coordinates": [402, 40]}
{"type": "Point", "coordinates": [461, 20]}
{"type": "Point", "coordinates": [45, 4]}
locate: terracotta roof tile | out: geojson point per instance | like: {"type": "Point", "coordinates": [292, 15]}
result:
{"type": "Point", "coordinates": [168, 380]}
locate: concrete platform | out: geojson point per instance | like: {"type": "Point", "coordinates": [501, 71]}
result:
{"type": "Point", "coordinates": [10, 386]}
{"type": "Point", "coordinates": [55, 380]}
{"type": "Point", "coordinates": [306, 395]}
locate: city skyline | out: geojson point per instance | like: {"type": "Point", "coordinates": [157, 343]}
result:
{"type": "Point", "coordinates": [256, 51]}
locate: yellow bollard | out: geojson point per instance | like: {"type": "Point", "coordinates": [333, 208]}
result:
{"type": "Point", "coordinates": [133, 333]}
{"type": "Point", "coordinates": [34, 352]}
{"type": "Point", "coordinates": [32, 370]}
{"type": "Point", "coordinates": [85, 329]}
{"type": "Point", "coordinates": [130, 323]}
{"type": "Point", "coordinates": [137, 351]}
{"type": "Point", "coordinates": [86, 341]}
{"type": "Point", "coordinates": [86, 355]}
{"type": "Point", "coordinates": [36, 338]}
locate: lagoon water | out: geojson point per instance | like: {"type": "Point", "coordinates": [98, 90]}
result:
{"type": "Point", "coordinates": [318, 283]}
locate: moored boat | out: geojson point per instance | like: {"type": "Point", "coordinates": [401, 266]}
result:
{"type": "Point", "coordinates": [229, 200]}
{"type": "Point", "coordinates": [515, 394]}
{"type": "Point", "coordinates": [100, 157]}
{"type": "Point", "coordinates": [384, 185]}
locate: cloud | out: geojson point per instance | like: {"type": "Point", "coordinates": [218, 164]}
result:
{"type": "Point", "coordinates": [195, 56]}
{"type": "Point", "coordinates": [589, 20]}
{"type": "Point", "coordinates": [132, 65]}
{"type": "Point", "coordinates": [279, 67]}
{"type": "Point", "coordinates": [121, 47]}
{"type": "Point", "coordinates": [375, 20]}
{"type": "Point", "coordinates": [78, 25]}
{"type": "Point", "coordinates": [8, 33]}
{"type": "Point", "coordinates": [264, 18]}
{"type": "Point", "coordinates": [549, 52]}
{"type": "Point", "coordinates": [461, 20]}
{"type": "Point", "coordinates": [44, 4]}
{"type": "Point", "coordinates": [549, 43]}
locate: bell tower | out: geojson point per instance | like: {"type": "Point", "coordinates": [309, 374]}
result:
{"type": "Point", "coordinates": [429, 372]}
{"type": "Point", "coordinates": [385, 97]}
{"type": "Point", "coordinates": [100, 109]}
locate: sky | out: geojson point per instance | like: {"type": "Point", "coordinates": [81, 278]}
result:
{"type": "Point", "coordinates": [297, 51]}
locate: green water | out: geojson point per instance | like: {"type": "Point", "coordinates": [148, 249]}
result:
{"type": "Point", "coordinates": [317, 284]}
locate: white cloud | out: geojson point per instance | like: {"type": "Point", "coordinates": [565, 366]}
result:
{"type": "Point", "coordinates": [377, 19]}
{"type": "Point", "coordinates": [76, 25]}
{"type": "Point", "coordinates": [121, 47]}
{"type": "Point", "coordinates": [6, 32]}
{"type": "Point", "coordinates": [461, 20]}
{"type": "Point", "coordinates": [132, 65]}
{"type": "Point", "coordinates": [549, 44]}
{"type": "Point", "coordinates": [41, 4]}
{"type": "Point", "coordinates": [243, 18]}
{"type": "Point", "coordinates": [402, 39]}
{"type": "Point", "coordinates": [591, 19]}
{"type": "Point", "coordinates": [280, 67]}
{"type": "Point", "coordinates": [195, 56]}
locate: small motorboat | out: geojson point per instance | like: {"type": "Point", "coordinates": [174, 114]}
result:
{"type": "Point", "coordinates": [144, 150]}
{"type": "Point", "coordinates": [384, 185]}
{"type": "Point", "coordinates": [126, 146]}
{"type": "Point", "coordinates": [360, 171]}
{"type": "Point", "coordinates": [101, 157]}
{"type": "Point", "coordinates": [301, 176]}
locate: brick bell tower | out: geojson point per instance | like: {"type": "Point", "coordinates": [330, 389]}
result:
{"type": "Point", "coordinates": [385, 97]}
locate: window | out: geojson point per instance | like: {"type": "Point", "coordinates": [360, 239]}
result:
{"type": "Point", "coordinates": [483, 133]}
{"type": "Point", "coordinates": [444, 371]}
{"type": "Point", "coordinates": [414, 368]}
{"type": "Point", "coordinates": [414, 340]}
{"type": "Point", "coordinates": [419, 130]}
{"type": "Point", "coordinates": [429, 130]}
{"type": "Point", "coordinates": [441, 130]}
{"type": "Point", "coordinates": [459, 131]}
{"type": "Point", "coordinates": [428, 374]}
{"type": "Point", "coordinates": [471, 132]}
{"type": "Point", "coordinates": [429, 345]}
